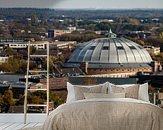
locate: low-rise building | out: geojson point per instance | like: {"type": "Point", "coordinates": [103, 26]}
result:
{"type": "Point", "coordinates": [58, 85]}
{"type": "Point", "coordinates": [152, 50]}
{"type": "Point", "coordinates": [55, 32]}
{"type": "Point", "coordinates": [111, 57]}
{"type": "Point", "coordinates": [64, 44]}
{"type": "Point", "coordinates": [3, 59]}
{"type": "Point", "coordinates": [71, 28]}
{"type": "Point", "coordinates": [23, 45]}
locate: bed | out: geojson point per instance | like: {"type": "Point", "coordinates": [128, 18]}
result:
{"type": "Point", "coordinates": [104, 107]}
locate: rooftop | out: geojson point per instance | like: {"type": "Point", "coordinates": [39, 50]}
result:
{"type": "Point", "coordinates": [16, 121]}
{"type": "Point", "coordinates": [110, 50]}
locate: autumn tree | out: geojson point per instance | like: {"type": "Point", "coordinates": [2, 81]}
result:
{"type": "Point", "coordinates": [14, 65]}
{"type": "Point", "coordinates": [40, 97]}
{"type": "Point", "coordinates": [89, 80]}
{"type": "Point", "coordinates": [79, 37]}
{"type": "Point", "coordinates": [8, 97]}
{"type": "Point", "coordinates": [55, 99]}
{"type": "Point", "coordinates": [1, 100]}
{"type": "Point", "coordinates": [140, 42]}
{"type": "Point", "coordinates": [7, 100]}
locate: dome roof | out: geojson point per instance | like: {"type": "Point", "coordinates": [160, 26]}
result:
{"type": "Point", "coordinates": [110, 50]}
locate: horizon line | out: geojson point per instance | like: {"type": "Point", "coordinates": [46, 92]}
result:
{"type": "Point", "coordinates": [82, 8]}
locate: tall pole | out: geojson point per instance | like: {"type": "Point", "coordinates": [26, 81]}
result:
{"type": "Point", "coordinates": [26, 87]}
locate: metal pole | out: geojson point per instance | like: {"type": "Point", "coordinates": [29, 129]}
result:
{"type": "Point", "coordinates": [26, 87]}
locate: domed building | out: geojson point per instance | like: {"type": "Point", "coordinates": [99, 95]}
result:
{"type": "Point", "coordinates": [114, 56]}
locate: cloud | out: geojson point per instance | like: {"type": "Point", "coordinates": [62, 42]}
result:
{"type": "Point", "coordinates": [101, 4]}
{"type": "Point", "coordinates": [30, 3]}
{"type": "Point", "coordinates": [109, 4]}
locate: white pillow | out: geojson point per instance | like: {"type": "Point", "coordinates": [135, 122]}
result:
{"type": "Point", "coordinates": [71, 93]}
{"type": "Point", "coordinates": [103, 95]}
{"type": "Point", "coordinates": [143, 92]}
{"type": "Point", "coordinates": [125, 85]}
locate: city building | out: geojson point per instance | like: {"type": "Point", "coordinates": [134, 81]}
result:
{"type": "Point", "coordinates": [64, 44]}
{"type": "Point", "coordinates": [54, 33]}
{"type": "Point", "coordinates": [23, 45]}
{"type": "Point", "coordinates": [152, 50]}
{"type": "Point", "coordinates": [58, 85]}
{"type": "Point", "coordinates": [3, 59]}
{"type": "Point", "coordinates": [71, 28]}
{"type": "Point", "coordinates": [139, 34]}
{"type": "Point", "coordinates": [112, 57]}
{"type": "Point", "coordinates": [57, 32]}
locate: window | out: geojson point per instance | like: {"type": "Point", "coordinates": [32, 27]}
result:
{"type": "Point", "coordinates": [92, 48]}
{"type": "Point", "coordinates": [132, 47]}
{"type": "Point", "coordinates": [105, 48]}
{"type": "Point", "coordinates": [120, 48]}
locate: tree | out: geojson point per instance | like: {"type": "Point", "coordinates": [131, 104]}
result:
{"type": "Point", "coordinates": [7, 100]}
{"type": "Point", "coordinates": [1, 100]}
{"type": "Point", "coordinates": [8, 97]}
{"type": "Point", "coordinates": [79, 37]}
{"type": "Point", "coordinates": [89, 80]}
{"type": "Point", "coordinates": [32, 49]}
{"type": "Point", "coordinates": [12, 65]}
{"type": "Point", "coordinates": [103, 26]}
{"type": "Point", "coordinates": [34, 20]}
{"type": "Point", "coordinates": [55, 99]}
{"type": "Point", "coordinates": [9, 51]}
{"type": "Point", "coordinates": [140, 42]}
{"type": "Point", "coordinates": [134, 21]}
{"type": "Point", "coordinates": [40, 97]}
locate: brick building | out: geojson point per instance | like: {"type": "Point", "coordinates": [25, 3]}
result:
{"type": "Point", "coordinates": [58, 85]}
{"type": "Point", "coordinates": [113, 56]}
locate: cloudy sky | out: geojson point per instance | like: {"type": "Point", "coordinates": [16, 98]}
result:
{"type": "Point", "coordinates": [78, 4]}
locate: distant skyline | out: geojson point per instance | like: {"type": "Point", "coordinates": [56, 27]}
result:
{"type": "Point", "coordinates": [84, 4]}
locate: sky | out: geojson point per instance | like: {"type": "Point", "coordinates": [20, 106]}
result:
{"type": "Point", "coordinates": [84, 4]}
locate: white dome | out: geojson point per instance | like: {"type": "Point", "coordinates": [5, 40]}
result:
{"type": "Point", "coordinates": [110, 50]}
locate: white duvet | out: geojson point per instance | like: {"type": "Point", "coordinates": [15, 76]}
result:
{"type": "Point", "coordinates": [106, 114]}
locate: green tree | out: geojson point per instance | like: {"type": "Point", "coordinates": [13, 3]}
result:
{"type": "Point", "coordinates": [9, 51]}
{"type": "Point", "coordinates": [34, 20]}
{"type": "Point", "coordinates": [12, 65]}
{"type": "Point", "coordinates": [103, 26]}
{"type": "Point", "coordinates": [32, 49]}
{"type": "Point", "coordinates": [40, 97]}
{"type": "Point", "coordinates": [55, 99]}
{"type": "Point", "coordinates": [79, 37]}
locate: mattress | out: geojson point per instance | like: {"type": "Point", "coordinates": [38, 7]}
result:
{"type": "Point", "coordinates": [105, 114]}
